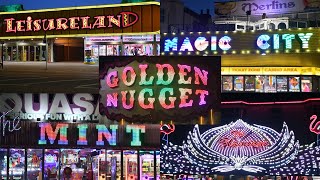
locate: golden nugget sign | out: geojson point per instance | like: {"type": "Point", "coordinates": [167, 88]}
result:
{"type": "Point", "coordinates": [122, 20]}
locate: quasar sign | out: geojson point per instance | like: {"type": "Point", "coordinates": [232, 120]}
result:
{"type": "Point", "coordinates": [158, 88]}
{"type": "Point", "coordinates": [235, 43]}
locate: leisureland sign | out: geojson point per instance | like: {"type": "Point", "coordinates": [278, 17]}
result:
{"type": "Point", "coordinates": [121, 20]}
{"type": "Point", "coordinates": [295, 41]}
{"type": "Point", "coordinates": [158, 88]}
{"type": "Point", "coordinates": [258, 7]}
{"type": "Point", "coordinates": [51, 107]}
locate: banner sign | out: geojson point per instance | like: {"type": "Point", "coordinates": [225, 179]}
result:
{"type": "Point", "coordinates": [259, 42]}
{"type": "Point", "coordinates": [82, 20]}
{"type": "Point", "coordinates": [51, 107]}
{"type": "Point", "coordinates": [159, 88]}
{"type": "Point", "coordinates": [63, 135]}
{"type": "Point", "coordinates": [268, 70]}
{"type": "Point", "coordinates": [258, 7]}
{"type": "Point", "coordinates": [237, 148]}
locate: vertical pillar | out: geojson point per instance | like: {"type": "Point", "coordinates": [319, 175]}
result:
{"type": "Point", "coordinates": [121, 164]}
{"type": "Point", "coordinates": [154, 45]}
{"type": "Point", "coordinates": [34, 53]}
{"type": "Point", "coordinates": [8, 164]}
{"type": "Point", "coordinates": [139, 167]}
{"type": "Point", "coordinates": [17, 52]}
{"type": "Point", "coordinates": [155, 165]}
{"type": "Point", "coordinates": [121, 46]}
{"type": "Point", "coordinates": [59, 164]}
{"type": "Point", "coordinates": [28, 58]}
{"type": "Point", "coordinates": [42, 164]}
{"type": "Point", "coordinates": [25, 161]}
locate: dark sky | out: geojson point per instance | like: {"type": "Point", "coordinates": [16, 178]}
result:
{"type": "Point", "coordinates": [44, 4]}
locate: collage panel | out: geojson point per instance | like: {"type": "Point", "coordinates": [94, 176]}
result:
{"type": "Point", "coordinates": [269, 84]}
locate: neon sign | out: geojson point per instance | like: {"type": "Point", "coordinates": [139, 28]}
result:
{"type": "Point", "coordinates": [56, 107]}
{"type": "Point", "coordinates": [147, 85]}
{"type": "Point", "coordinates": [59, 134]}
{"type": "Point", "coordinates": [235, 43]}
{"type": "Point", "coordinates": [255, 149]}
{"type": "Point", "coordinates": [121, 20]}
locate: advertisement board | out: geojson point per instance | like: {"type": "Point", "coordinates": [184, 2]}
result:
{"type": "Point", "coordinates": [159, 88]}
{"type": "Point", "coordinates": [258, 7]}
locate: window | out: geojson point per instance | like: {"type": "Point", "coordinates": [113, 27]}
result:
{"type": "Point", "coordinates": [306, 84]}
{"type": "Point", "coordinates": [294, 84]}
{"type": "Point", "coordinates": [238, 83]}
{"type": "Point", "coordinates": [259, 83]}
{"type": "Point", "coordinates": [270, 84]}
{"type": "Point", "coordinates": [249, 83]}
{"type": "Point", "coordinates": [282, 84]}
{"type": "Point", "coordinates": [227, 84]}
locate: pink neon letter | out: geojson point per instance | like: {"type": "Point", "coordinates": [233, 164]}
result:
{"type": "Point", "coordinates": [36, 24]}
{"type": "Point", "coordinates": [203, 75]}
{"type": "Point", "coordinates": [184, 97]}
{"type": "Point", "coordinates": [114, 20]}
{"type": "Point", "coordinates": [125, 77]}
{"type": "Point", "coordinates": [99, 22]}
{"type": "Point", "coordinates": [73, 23]}
{"type": "Point", "coordinates": [112, 83]}
{"type": "Point", "coordinates": [141, 99]}
{"type": "Point", "coordinates": [144, 81]}
{"type": "Point", "coordinates": [20, 27]}
{"type": "Point", "coordinates": [10, 25]}
{"type": "Point", "coordinates": [160, 74]}
{"type": "Point", "coordinates": [124, 99]}
{"type": "Point", "coordinates": [162, 98]}
{"type": "Point", "coordinates": [29, 22]}
{"type": "Point", "coordinates": [202, 96]}
{"type": "Point", "coordinates": [85, 22]}
{"type": "Point", "coordinates": [112, 100]}
{"type": "Point", "coordinates": [182, 73]}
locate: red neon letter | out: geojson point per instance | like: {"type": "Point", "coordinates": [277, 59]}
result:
{"type": "Point", "coordinates": [162, 98]}
{"type": "Point", "coordinates": [144, 81]}
{"type": "Point", "coordinates": [20, 27]}
{"type": "Point", "coordinates": [36, 24]}
{"type": "Point", "coordinates": [114, 20]}
{"type": "Point", "coordinates": [141, 99]}
{"type": "Point", "coordinates": [112, 100]}
{"type": "Point", "coordinates": [202, 96]}
{"type": "Point", "coordinates": [99, 22]}
{"type": "Point", "coordinates": [131, 99]}
{"type": "Point", "coordinates": [125, 77]}
{"type": "Point", "coordinates": [184, 97]}
{"type": "Point", "coordinates": [73, 23]}
{"type": "Point", "coordinates": [29, 22]}
{"type": "Point", "coordinates": [182, 73]}
{"type": "Point", "coordinates": [160, 74]}
{"type": "Point", "coordinates": [50, 24]}
{"type": "Point", "coordinates": [112, 83]}
{"type": "Point", "coordinates": [203, 75]}
{"type": "Point", "coordinates": [10, 25]}
{"type": "Point", "coordinates": [126, 18]}
{"type": "Point", "coordinates": [85, 22]}
{"type": "Point", "coordinates": [62, 24]}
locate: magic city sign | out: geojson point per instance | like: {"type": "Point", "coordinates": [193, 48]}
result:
{"type": "Point", "coordinates": [238, 42]}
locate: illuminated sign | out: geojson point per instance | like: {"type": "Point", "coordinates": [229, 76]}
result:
{"type": "Point", "coordinates": [237, 148]}
{"type": "Point", "coordinates": [148, 38]}
{"type": "Point", "coordinates": [52, 107]}
{"type": "Point", "coordinates": [82, 21]}
{"type": "Point", "coordinates": [258, 7]}
{"type": "Point", "coordinates": [63, 135]}
{"type": "Point", "coordinates": [158, 88]}
{"type": "Point", "coordinates": [122, 20]}
{"type": "Point", "coordinates": [240, 43]}
{"type": "Point", "coordinates": [314, 125]}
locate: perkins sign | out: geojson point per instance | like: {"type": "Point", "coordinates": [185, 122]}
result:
{"type": "Point", "coordinates": [240, 43]}
{"type": "Point", "coordinates": [159, 88]}
{"type": "Point", "coordinates": [258, 7]}
{"type": "Point", "coordinates": [52, 107]}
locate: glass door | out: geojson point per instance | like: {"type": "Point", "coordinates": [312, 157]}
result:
{"type": "Point", "coordinates": [3, 163]}
{"type": "Point", "coordinates": [113, 165]}
{"type": "Point", "coordinates": [147, 165]}
{"type": "Point", "coordinates": [51, 164]}
{"type": "Point", "coordinates": [130, 165]}
{"type": "Point", "coordinates": [16, 164]}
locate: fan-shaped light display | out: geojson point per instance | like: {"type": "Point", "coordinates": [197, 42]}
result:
{"type": "Point", "coordinates": [240, 148]}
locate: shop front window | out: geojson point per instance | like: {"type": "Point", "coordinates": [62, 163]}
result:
{"type": "Point", "coordinates": [34, 164]}
{"type": "Point", "coordinates": [227, 84]}
{"type": "Point", "coordinates": [16, 163]}
{"type": "Point", "coordinates": [51, 164]}
{"type": "Point", "coordinates": [113, 165]}
{"type": "Point", "coordinates": [238, 83]}
{"type": "Point", "coordinates": [270, 84]}
{"type": "Point", "coordinates": [99, 165]}
{"type": "Point", "coordinates": [294, 84]}
{"type": "Point", "coordinates": [3, 163]}
{"type": "Point", "coordinates": [147, 164]}
{"type": "Point", "coordinates": [138, 49]}
{"type": "Point", "coordinates": [282, 84]}
{"type": "Point", "coordinates": [130, 165]}
{"type": "Point", "coordinates": [249, 83]}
